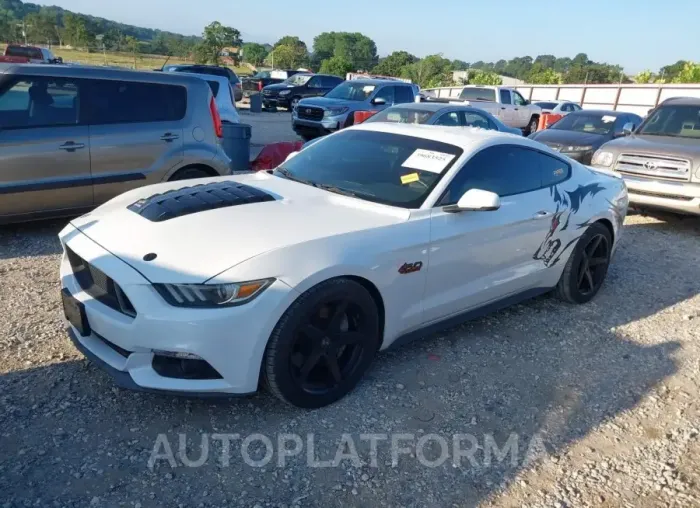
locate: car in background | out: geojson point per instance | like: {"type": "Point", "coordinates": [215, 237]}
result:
{"type": "Point", "coordinates": [15, 53]}
{"type": "Point", "coordinates": [322, 115]}
{"type": "Point", "coordinates": [215, 70]}
{"type": "Point", "coordinates": [449, 115]}
{"type": "Point", "coordinates": [300, 86]}
{"type": "Point", "coordinates": [579, 134]}
{"type": "Point", "coordinates": [223, 93]}
{"type": "Point", "coordinates": [660, 160]}
{"type": "Point", "coordinates": [557, 107]}
{"type": "Point", "coordinates": [72, 138]}
{"type": "Point", "coordinates": [359, 242]}
{"type": "Point", "coordinates": [261, 79]}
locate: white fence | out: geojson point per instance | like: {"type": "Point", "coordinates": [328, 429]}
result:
{"type": "Point", "coordinates": [637, 99]}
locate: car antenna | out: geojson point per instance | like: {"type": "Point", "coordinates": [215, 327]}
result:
{"type": "Point", "coordinates": [164, 63]}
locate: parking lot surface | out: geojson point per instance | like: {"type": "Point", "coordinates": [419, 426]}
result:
{"type": "Point", "coordinates": [267, 127]}
{"type": "Point", "coordinates": [602, 400]}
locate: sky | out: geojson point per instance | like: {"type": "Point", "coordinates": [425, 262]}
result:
{"type": "Point", "coordinates": [641, 34]}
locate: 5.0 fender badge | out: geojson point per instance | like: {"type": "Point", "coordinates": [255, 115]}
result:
{"type": "Point", "coordinates": [411, 267]}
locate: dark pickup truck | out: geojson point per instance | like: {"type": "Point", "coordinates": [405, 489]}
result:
{"type": "Point", "coordinates": [257, 82]}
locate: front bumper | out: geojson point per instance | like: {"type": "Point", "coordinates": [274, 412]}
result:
{"type": "Point", "coordinates": [230, 340]}
{"type": "Point", "coordinates": [678, 197]}
{"type": "Point", "coordinates": [312, 128]}
{"type": "Point", "coordinates": [275, 101]}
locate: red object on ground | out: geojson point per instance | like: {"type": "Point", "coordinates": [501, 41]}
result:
{"type": "Point", "coordinates": [361, 116]}
{"type": "Point", "coordinates": [275, 154]}
{"type": "Point", "coordinates": [547, 119]}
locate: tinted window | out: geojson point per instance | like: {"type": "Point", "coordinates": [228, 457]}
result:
{"type": "Point", "coordinates": [506, 170]}
{"type": "Point", "coordinates": [386, 93]}
{"type": "Point", "coordinates": [518, 99]}
{"type": "Point", "coordinates": [673, 120]}
{"type": "Point", "coordinates": [576, 107]}
{"type": "Point", "coordinates": [376, 166]}
{"type": "Point", "coordinates": [315, 82]}
{"type": "Point", "coordinates": [478, 94]}
{"type": "Point", "coordinates": [546, 105]}
{"type": "Point", "coordinates": [132, 102]}
{"type": "Point", "coordinates": [505, 97]}
{"type": "Point", "coordinates": [449, 119]}
{"type": "Point", "coordinates": [39, 102]}
{"type": "Point", "coordinates": [402, 115]}
{"type": "Point", "coordinates": [24, 52]}
{"type": "Point", "coordinates": [351, 91]}
{"type": "Point", "coordinates": [472, 119]}
{"type": "Point", "coordinates": [214, 85]}
{"type": "Point", "coordinates": [331, 81]}
{"type": "Point", "coordinates": [403, 94]}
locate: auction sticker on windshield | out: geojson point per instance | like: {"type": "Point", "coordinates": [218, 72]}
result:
{"type": "Point", "coordinates": [428, 160]}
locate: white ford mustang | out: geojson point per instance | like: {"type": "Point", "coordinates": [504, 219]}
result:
{"type": "Point", "coordinates": [361, 241]}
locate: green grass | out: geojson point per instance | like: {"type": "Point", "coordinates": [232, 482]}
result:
{"type": "Point", "coordinates": [114, 59]}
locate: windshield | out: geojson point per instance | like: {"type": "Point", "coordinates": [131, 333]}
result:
{"type": "Point", "coordinates": [675, 121]}
{"type": "Point", "coordinates": [546, 105]}
{"type": "Point", "coordinates": [385, 168]}
{"type": "Point", "coordinates": [298, 79]}
{"type": "Point", "coordinates": [402, 115]}
{"type": "Point", "coordinates": [350, 91]}
{"type": "Point", "coordinates": [262, 75]}
{"type": "Point", "coordinates": [593, 123]}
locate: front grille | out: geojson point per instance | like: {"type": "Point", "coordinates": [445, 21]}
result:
{"type": "Point", "coordinates": [309, 113]}
{"type": "Point", "coordinates": [654, 166]}
{"type": "Point", "coordinates": [98, 285]}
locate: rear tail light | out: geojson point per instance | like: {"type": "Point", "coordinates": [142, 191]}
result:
{"type": "Point", "coordinates": [260, 87]}
{"type": "Point", "coordinates": [238, 85]}
{"type": "Point", "coordinates": [216, 118]}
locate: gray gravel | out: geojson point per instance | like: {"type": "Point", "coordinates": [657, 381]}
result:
{"type": "Point", "coordinates": [610, 391]}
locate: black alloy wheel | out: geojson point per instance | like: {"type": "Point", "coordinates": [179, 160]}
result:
{"type": "Point", "coordinates": [323, 344]}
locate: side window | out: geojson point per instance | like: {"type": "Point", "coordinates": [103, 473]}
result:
{"type": "Point", "coordinates": [449, 120]}
{"type": "Point", "coordinates": [505, 97]}
{"type": "Point", "coordinates": [506, 170]}
{"type": "Point", "coordinates": [39, 102]}
{"type": "Point", "coordinates": [566, 108]}
{"type": "Point", "coordinates": [132, 102]}
{"type": "Point", "coordinates": [518, 99]}
{"type": "Point", "coordinates": [331, 81]}
{"type": "Point", "coordinates": [576, 107]}
{"type": "Point", "coordinates": [404, 94]}
{"type": "Point", "coordinates": [386, 93]}
{"type": "Point", "coordinates": [315, 82]}
{"type": "Point", "coordinates": [472, 119]}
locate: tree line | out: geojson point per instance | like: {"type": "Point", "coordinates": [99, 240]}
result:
{"type": "Point", "coordinates": [332, 52]}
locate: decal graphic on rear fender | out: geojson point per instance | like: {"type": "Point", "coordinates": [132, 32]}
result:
{"type": "Point", "coordinates": [568, 204]}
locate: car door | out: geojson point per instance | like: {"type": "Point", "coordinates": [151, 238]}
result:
{"type": "Point", "coordinates": [135, 133]}
{"type": "Point", "coordinates": [403, 94]}
{"type": "Point", "coordinates": [330, 82]}
{"type": "Point", "coordinates": [386, 93]}
{"type": "Point", "coordinates": [315, 88]}
{"type": "Point", "coordinates": [480, 257]}
{"type": "Point", "coordinates": [44, 146]}
{"type": "Point", "coordinates": [522, 112]}
{"type": "Point", "coordinates": [508, 112]}
{"type": "Point", "coordinates": [449, 119]}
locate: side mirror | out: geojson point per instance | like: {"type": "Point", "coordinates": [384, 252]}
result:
{"type": "Point", "coordinates": [475, 200]}
{"type": "Point", "coordinates": [378, 101]}
{"type": "Point", "coordinates": [627, 129]}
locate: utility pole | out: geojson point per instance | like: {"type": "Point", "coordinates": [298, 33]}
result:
{"type": "Point", "coordinates": [24, 30]}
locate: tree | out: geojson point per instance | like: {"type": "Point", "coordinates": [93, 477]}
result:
{"type": "Point", "coordinates": [393, 64]}
{"type": "Point", "coordinates": [287, 57]}
{"type": "Point", "coordinates": [479, 77]}
{"type": "Point", "coordinates": [431, 71]}
{"type": "Point", "coordinates": [291, 40]}
{"type": "Point", "coordinates": [77, 32]}
{"type": "Point", "coordinates": [40, 28]}
{"type": "Point", "coordinates": [689, 74]}
{"type": "Point", "coordinates": [356, 48]}
{"type": "Point", "coordinates": [215, 38]}
{"type": "Point", "coordinates": [459, 65]}
{"type": "Point", "coordinates": [133, 46]}
{"type": "Point", "coordinates": [644, 77]}
{"type": "Point", "coordinates": [254, 53]}
{"type": "Point", "coordinates": [545, 77]}
{"type": "Point", "coordinates": [669, 72]}
{"type": "Point", "coordinates": [336, 65]}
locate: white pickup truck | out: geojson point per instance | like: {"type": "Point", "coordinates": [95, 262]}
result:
{"type": "Point", "coordinates": [504, 103]}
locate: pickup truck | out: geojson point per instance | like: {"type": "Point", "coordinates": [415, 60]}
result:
{"type": "Point", "coordinates": [504, 103]}
{"type": "Point", "coordinates": [260, 80]}
{"type": "Point", "coordinates": [28, 54]}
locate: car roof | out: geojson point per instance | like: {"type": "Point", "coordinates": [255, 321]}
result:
{"type": "Point", "coordinates": [600, 112]}
{"type": "Point", "coordinates": [95, 72]}
{"type": "Point", "coordinates": [466, 138]}
{"type": "Point", "coordinates": [379, 81]}
{"type": "Point", "coordinates": [208, 77]}
{"type": "Point", "coordinates": [683, 101]}
{"type": "Point", "coordinates": [434, 106]}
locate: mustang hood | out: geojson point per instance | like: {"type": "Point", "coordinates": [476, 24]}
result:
{"type": "Point", "coordinates": [199, 229]}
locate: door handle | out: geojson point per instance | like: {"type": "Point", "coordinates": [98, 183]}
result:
{"type": "Point", "coordinates": [169, 137]}
{"type": "Point", "coordinates": [542, 214]}
{"type": "Point", "coordinates": [503, 107]}
{"type": "Point", "coordinates": [71, 146]}
{"type": "Point", "coordinates": [516, 109]}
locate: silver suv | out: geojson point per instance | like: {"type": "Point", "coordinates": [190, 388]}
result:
{"type": "Point", "coordinates": [73, 137]}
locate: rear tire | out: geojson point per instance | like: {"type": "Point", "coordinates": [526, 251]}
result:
{"type": "Point", "coordinates": [322, 345]}
{"type": "Point", "coordinates": [189, 174]}
{"type": "Point", "coordinates": [587, 266]}
{"type": "Point", "coordinates": [532, 126]}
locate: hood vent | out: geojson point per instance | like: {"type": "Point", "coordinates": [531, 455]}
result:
{"type": "Point", "coordinates": [195, 199]}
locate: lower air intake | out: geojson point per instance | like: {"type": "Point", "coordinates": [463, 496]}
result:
{"type": "Point", "coordinates": [195, 199]}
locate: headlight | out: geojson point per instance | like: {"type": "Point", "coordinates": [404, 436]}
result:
{"type": "Point", "coordinates": [601, 158]}
{"type": "Point", "coordinates": [577, 148]}
{"type": "Point", "coordinates": [285, 92]}
{"type": "Point", "coordinates": [334, 112]}
{"type": "Point", "coordinates": [212, 295]}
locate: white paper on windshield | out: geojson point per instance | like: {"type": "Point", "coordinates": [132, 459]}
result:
{"type": "Point", "coordinates": [428, 160]}
{"type": "Point", "coordinates": [368, 88]}
{"type": "Point", "coordinates": [608, 119]}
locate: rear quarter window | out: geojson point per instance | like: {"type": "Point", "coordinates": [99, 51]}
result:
{"type": "Point", "coordinates": [113, 102]}
{"type": "Point", "coordinates": [478, 94]}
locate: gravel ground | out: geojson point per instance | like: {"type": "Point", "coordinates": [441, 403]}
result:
{"type": "Point", "coordinates": [593, 405]}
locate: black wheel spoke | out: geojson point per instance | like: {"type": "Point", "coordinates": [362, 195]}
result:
{"type": "Point", "coordinates": [598, 261]}
{"type": "Point", "coordinates": [347, 338]}
{"type": "Point", "coordinates": [314, 333]}
{"type": "Point", "coordinates": [593, 246]}
{"type": "Point", "coordinates": [581, 275]}
{"type": "Point", "coordinates": [334, 368]}
{"type": "Point", "coordinates": [589, 278]}
{"type": "Point", "coordinates": [338, 315]}
{"type": "Point", "coordinates": [310, 363]}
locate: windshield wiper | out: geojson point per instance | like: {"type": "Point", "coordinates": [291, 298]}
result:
{"type": "Point", "coordinates": [336, 190]}
{"type": "Point", "coordinates": [289, 176]}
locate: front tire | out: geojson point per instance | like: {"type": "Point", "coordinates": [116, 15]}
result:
{"type": "Point", "coordinates": [532, 126]}
{"type": "Point", "coordinates": [587, 266]}
{"type": "Point", "coordinates": [294, 103]}
{"type": "Point", "coordinates": [322, 345]}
